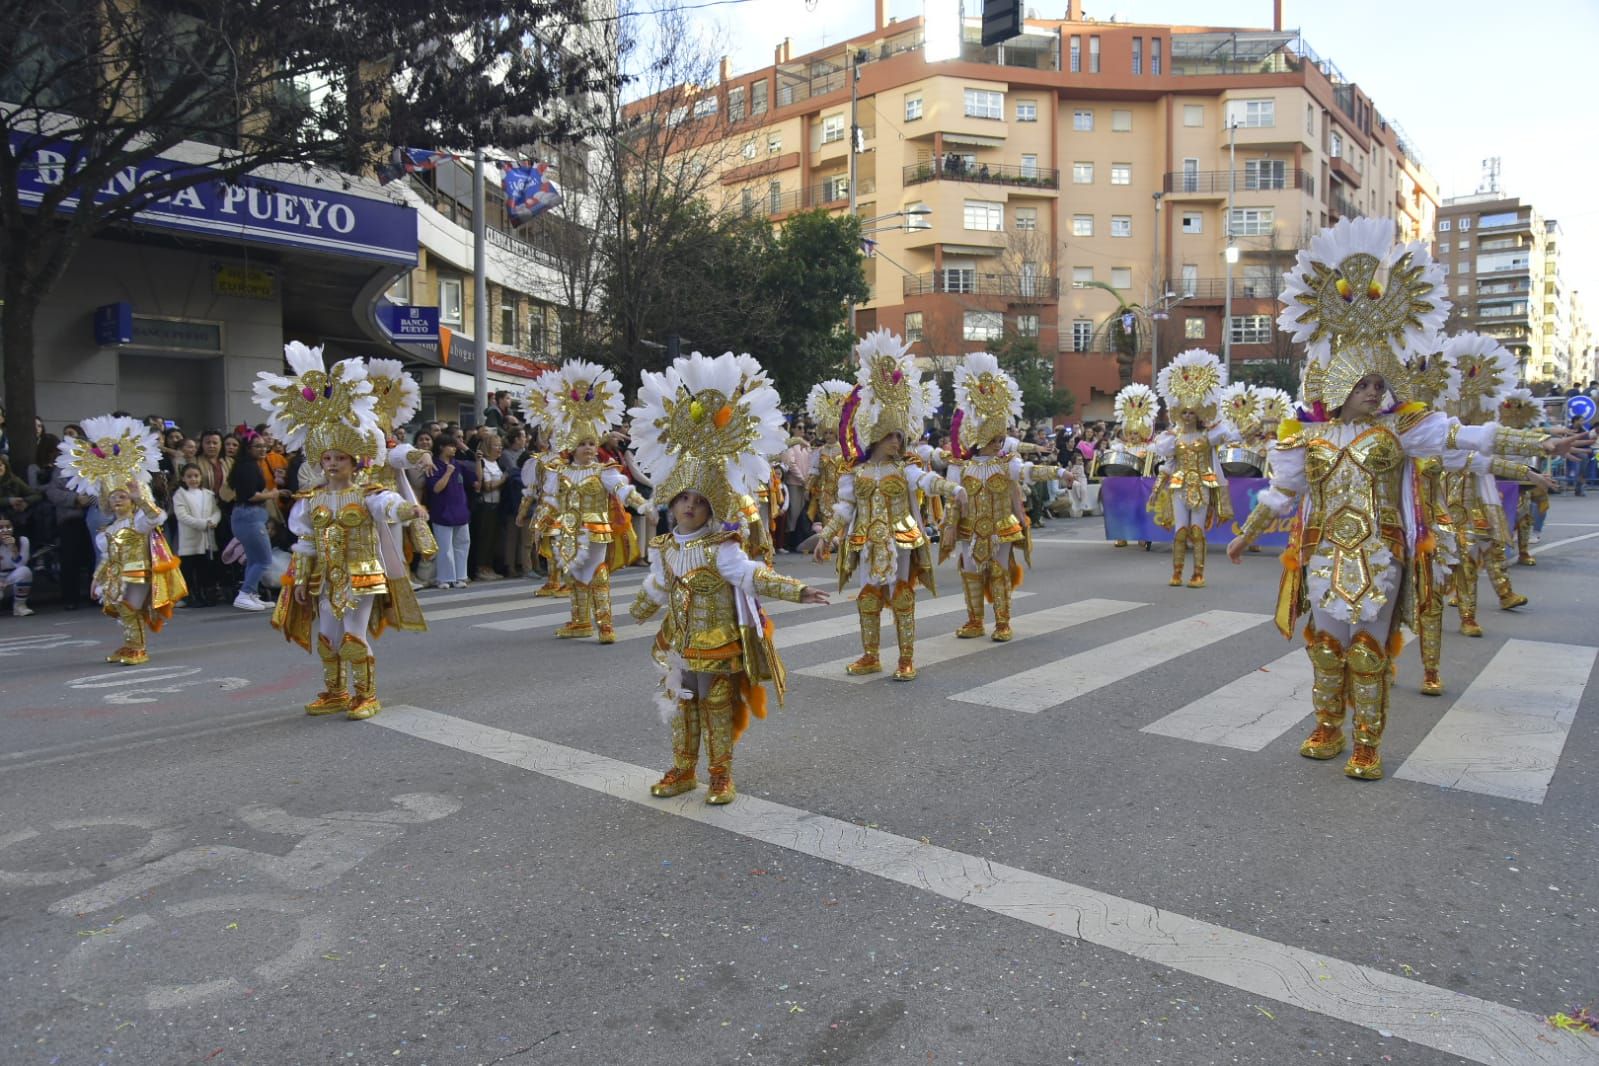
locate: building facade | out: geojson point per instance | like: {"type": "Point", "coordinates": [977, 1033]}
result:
{"type": "Point", "coordinates": [1078, 173]}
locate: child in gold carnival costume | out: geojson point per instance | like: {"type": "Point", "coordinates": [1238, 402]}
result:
{"type": "Point", "coordinates": [535, 470]}
{"type": "Point", "coordinates": [876, 514]}
{"type": "Point", "coordinates": [583, 501]}
{"type": "Point", "coordinates": [1429, 384]}
{"type": "Point", "coordinates": [397, 398]}
{"type": "Point", "coordinates": [1191, 495]}
{"type": "Point", "coordinates": [138, 580]}
{"type": "Point", "coordinates": [1361, 557]}
{"type": "Point", "coordinates": [700, 433]}
{"type": "Point", "coordinates": [1520, 410]}
{"type": "Point", "coordinates": [347, 577]}
{"type": "Point", "coordinates": [1135, 410]}
{"type": "Point", "coordinates": [825, 405]}
{"type": "Point", "coordinates": [989, 526]}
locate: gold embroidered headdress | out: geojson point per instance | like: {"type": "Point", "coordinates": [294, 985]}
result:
{"type": "Point", "coordinates": [1481, 375]}
{"type": "Point", "coordinates": [1192, 382]}
{"type": "Point", "coordinates": [1429, 372]}
{"type": "Point", "coordinates": [1519, 409]}
{"type": "Point", "coordinates": [707, 425]}
{"type": "Point", "coordinates": [889, 395]}
{"type": "Point", "coordinates": [317, 409]}
{"type": "Point", "coordinates": [1236, 403]}
{"type": "Point", "coordinates": [398, 395]}
{"type": "Point", "coordinates": [987, 403]}
{"type": "Point", "coordinates": [535, 400]}
{"type": "Point", "coordinates": [1136, 407]}
{"type": "Point", "coordinates": [825, 404]}
{"type": "Point", "coordinates": [1272, 405]}
{"type": "Point", "coordinates": [1360, 304]}
{"type": "Point", "coordinates": [113, 451]}
{"type": "Point", "coordinates": [585, 403]}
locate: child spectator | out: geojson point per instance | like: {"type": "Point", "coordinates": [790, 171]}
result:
{"type": "Point", "coordinates": [15, 577]}
{"type": "Point", "coordinates": [198, 512]}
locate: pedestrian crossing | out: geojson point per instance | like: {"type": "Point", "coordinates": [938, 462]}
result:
{"type": "Point", "coordinates": [1501, 732]}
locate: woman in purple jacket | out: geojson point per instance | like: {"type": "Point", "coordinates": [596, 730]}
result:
{"type": "Point", "coordinates": [448, 511]}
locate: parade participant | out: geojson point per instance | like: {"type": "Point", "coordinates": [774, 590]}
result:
{"type": "Point", "coordinates": [701, 436]}
{"type": "Point", "coordinates": [1520, 410]}
{"type": "Point", "coordinates": [536, 470]}
{"type": "Point", "coordinates": [16, 578]}
{"type": "Point", "coordinates": [1235, 405]}
{"type": "Point", "coordinates": [1271, 407]}
{"type": "Point", "coordinates": [398, 398]}
{"type": "Point", "coordinates": [347, 578]}
{"type": "Point", "coordinates": [1429, 384]}
{"type": "Point", "coordinates": [988, 528]}
{"type": "Point", "coordinates": [1362, 556]}
{"type": "Point", "coordinates": [876, 510]}
{"type": "Point", "coordinates": [824, 404]}
{"type": "Point", "coordinates": [1136, 407]}
{"type": "Point", "coordinates": [582, 500]}
{"type": "Point", "coordinates": [138, 579]}
{"type": "Point", "coordinates": [1191, 495]}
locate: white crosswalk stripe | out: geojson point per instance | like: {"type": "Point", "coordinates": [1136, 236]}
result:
{"type": "Point", "coordinates": [930, 651]}
{"type": "Point", "coordinates": [1248, 713]}
{"type": "Point", "coordinates": [1504, 735]}
{"type": "Point", "coordinates": [843, 625]}
{"type": "Point", "coordinates": [1077, 675]}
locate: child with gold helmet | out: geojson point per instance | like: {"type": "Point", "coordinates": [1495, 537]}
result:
{"type": "Point", "coordinates": [583, 501]}
{"type": "Point", "coordinates": [988, 528]}
{"type": "Point", "coordinates": [1135, 410]}
{"type": "Point", "coordinates": [536, 468]}
{"type": "Point", "coordinates": [825, 405]}
{"type": "Point", "coordinates": [1361, 557]}
{"type": "Point", "coordinates": [1191, 495]}
{"type": "Point", "coordinates": [397, 397]}
{"type": "Point", "coordinates": [347, 576]}
{"type": "Point", "coordinates": [1520, 410]}
{"type": "Point", "coordinates": [875, 519]}
{"type": "Point", "coordinates": [138, 580]}
{"type": "Point", "coordinates": [701, 433]}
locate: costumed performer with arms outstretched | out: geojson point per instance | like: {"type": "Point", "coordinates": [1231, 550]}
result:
{"type": "Point", "coordinates": [1191, 495]}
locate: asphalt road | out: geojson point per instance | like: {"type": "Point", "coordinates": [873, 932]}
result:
{"type": "Point", "coordinates": [1094, 844]}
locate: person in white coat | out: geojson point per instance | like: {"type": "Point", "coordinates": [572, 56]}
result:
{"type": "Point", "coordinates": [198, 512]}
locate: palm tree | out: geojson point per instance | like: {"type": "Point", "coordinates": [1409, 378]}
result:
{"type": "Point", "coordinates": [1123, 341]}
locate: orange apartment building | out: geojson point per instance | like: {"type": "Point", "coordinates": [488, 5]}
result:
{"type": "Point", "coordinates": [1079, 152]}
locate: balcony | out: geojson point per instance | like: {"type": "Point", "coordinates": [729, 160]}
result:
{"type": "Point", "coordinates": [1343, 171]}
{"type": "Point", "coordinates": [983, 173]}
{"type": "Point", "coordinates": [1343, 207]}
{"type": "Point", "coordinates": [828, 194]}
{"type": "Point", "coordinates": [1203, 290]}
{"type": "Point", "coordinates": [1016, 288]}
{"type": "Point", "coordinates": [1229, 53]}
{"type": "Point", "coordinates": [1215, 182]}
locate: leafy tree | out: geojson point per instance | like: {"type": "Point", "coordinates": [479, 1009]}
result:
{"type": "Point", "coordinates": [813, 274]}
{"type": "Point", "coordinates": [1278, 373]}
{"type": "Point", "coordinates": [1035, 374]}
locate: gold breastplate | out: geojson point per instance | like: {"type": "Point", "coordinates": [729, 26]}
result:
{"type": "Point", "coordinates": [1356, 496]}
{"type": "Point", "coordinates": [702, 619]}
{"type": "Point", "coordinates": [1193, 457]}
{"type": "Point", "coordinates": [881, 501]}
{"type": "Point", "coordinates": [583, 498]}
{"type": "Point", "coordinates": [989, 500]}
{"type": "Point", "coordinates": [128, 551]}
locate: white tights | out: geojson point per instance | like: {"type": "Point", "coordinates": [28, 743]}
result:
{"type": "Point", "coordinates": [353, 623]}
{"type": "Point", "coordinates": [1182, 516]}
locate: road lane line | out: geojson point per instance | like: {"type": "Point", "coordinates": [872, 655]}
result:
{"type": "Point", "coordinates": [930, 651]}
{"type": "Point", "coordinates": [119, 748]}
{"type": "Point", "coordinates": [1248, 713]}
{"type": "Point", "coordinates": [1538, 549]}
{"type": "Point", "coordinates": [1077, 675]}
{"type": "Point", "coordinates": [1504, 735]}
{"type": "Point", "coordinates": [1475, 1029]}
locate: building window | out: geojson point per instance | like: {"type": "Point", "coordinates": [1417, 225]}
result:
{"type": "Point", "coordinates": [1154, 56]}
{"type": "Point", "coordinates": [1193, 115]}
{"type": "Point", "coordinates": [981, 103]}
{"type": "Point", "coordinates": [1465, 267]}
{"type": "Point", "coordinates": [1463, 288]}
{"type": "Point", "coordinates": [1082, 173]}
{"type": "Point", "coordinates": [749, 150]}
{"type": "Point", "coordinates": [508, 321]}
{"type": "Point", "coordinates": [960, 279]}
{"type": "Point", "coordinates": [832, 129]}
{"type": "Point", "coordinates": [1093, 53]}
{"type": "Point", "coordinates": [450, 301]}
{"type": "Point", "coordinates": [1251, 329]}
{"type": "Point", "coordinates": [913, 326]}
{"type": "Point", "coordinates": [400, 291]}
{"type": "Point", "coordinates": [1443, 225]}
{"type": "Point", "coordinates": [706, 105]}
{"type": "Point", "coordinates": [1465, 224]}
{"type": "Point", "coordinates": [1465, 242]}
{"type": "Point", "coordinates": [774, 144]}
{"type": "Point", "coordinates": [1443, 247]}
{"type": "Point", "coordinates": [1027, 111]}
{"type": "Point", "coordinates": [1029, 166]}
{"type": "Point", "coordinates": [1336, 145]}
{"type": "Point", "coordinates": [1121, 277]}
{"type": "Point", "coordinates": [1138, 55]}
{"type": "Point", "coordinates": [1190, 273]}
{"type": "Point", "coordinates": [1265, 174]}
{"type": "Point", "coordinates": [1077, 54]}
{"type": "Point", "coordinates": [1193, 222]}
{"type": "Point", "coordinates": [985, 215]}
{"type": "Point", "coordinates": [1027, 325]}
{"type": "Point", "coordinates": [735, 104]}
{"type": "Point", "coordinates": [1310, 120]}
{"type": "Point", "coordinates": [774, 197]}
{"type": "Point", "coordinates": [1194, 329]}
{"type": "Point", "coordinates": [1121, 173]}
{"type": "Point", "coordinates": [1121, 121]}
{"type": "Point", "coordinates": [1082, 335]}
{"type": "Point", "coordinates": [1082, 225]}
{"type": "Point", "coordinates": [1251, 221]}
{"type": "Point", "coordinates": [758, 98]}
{"type": "Point", "coordinates": [913, 108]}
{"type": "Point", "coordinates": [1252, 113]}
{"type": "Point", "coordinates": [836, 187]}
{"type": "Point", "coordinates": [1121, 225]}
{"type": "Point", "coordinates": [1026, 218]}
{"type": "Point", "coordinates": [1082, 276]}
{"type": "Point", "coordinates": [537, 321]}
{"type": "Point", "coordinates": [1445, 268]}
{"type": "Point", "coordinates": [982, 326]}
{"type": "Point", "coordinates": [1082, 121]}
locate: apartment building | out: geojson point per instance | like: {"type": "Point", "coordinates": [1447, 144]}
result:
{"type": "Point", "coordinates": [1077, 173]}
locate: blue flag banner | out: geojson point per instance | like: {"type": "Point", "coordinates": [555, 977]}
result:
{"type": "Point", "coordinates": [529, 192]}
{"type": "Point", "coordinates": [412, 161]}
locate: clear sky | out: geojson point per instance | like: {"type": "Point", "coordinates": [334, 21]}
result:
{"type": "Point", "coordinates": [1466, 79]}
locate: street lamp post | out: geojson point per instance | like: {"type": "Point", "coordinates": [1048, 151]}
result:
{"type": "Point", "coordinates": [1231, 253]}
{"type": "Point", "coordinates": [911, 217]}
{"type": "Point", "coordinates": [1160, 287]}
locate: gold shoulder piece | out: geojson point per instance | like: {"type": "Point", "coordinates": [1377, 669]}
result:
{"type": "Point", "coordinates": [660, 542]}
{"type": "Point", "coordinates": [1411, 416]}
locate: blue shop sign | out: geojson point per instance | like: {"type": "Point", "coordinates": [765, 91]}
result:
{"type": "Point", "coordinates": [252, 209]}
{"type": "Point", "coordinates": [404, 323]}
{"type": "Point", "coordinates": [113, 324]}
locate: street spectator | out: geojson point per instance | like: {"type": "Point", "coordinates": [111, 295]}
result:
{"type": "Point", "coordinates": [448, 510]}
{"type": "Point", "coordinates": [16, 579]}
{"type": "Point", "coordinates": [72, 430]}
{"type": "Point", "coordinates": [797, 464]}
{"type": "Point", "coordinates": [254, 491]}
{"type": "Point", "coordinates": [486, 507]}
{"type": "Point", "coordinates": [198, 513]}
{"type": "Point", "coordinates": [74, 545]}
{"type": "Point", "coordinates": [499, 406]}
{"type": "Point", "coordinates": [18, 499]}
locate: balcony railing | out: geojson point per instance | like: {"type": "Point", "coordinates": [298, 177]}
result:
{"type": "Point", "coordinates": [1019, 288]}
{"type": "Point", "coordinates": [826, 194]}
{"type": "Point", "coordinates": [1343, 207]}
{"type": "Point", "coordinates": [1216, 288]}
{"type": "Point", "coordinates": [1217, 181]}
{"type": "Point", "coordinates": [989, 173]}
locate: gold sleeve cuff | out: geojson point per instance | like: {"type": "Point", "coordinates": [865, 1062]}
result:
{"type": "Point", "coordinates": [1259, 520]}
{"type": "Point", "coordinates": [832, 529]}
{"type": "Point", "coordinates": [1048, 473]}
{"type": "Point", "coordinates": [643, 608]}
{"type": "Point", "coordinates": [772, 585]}
{"type": "Point", "coordinates": [944, 487]}
{"type": "Point", "coordinates": [1452, 437]}
{"type": "Point", "coordinates": [406, 511]}
{"type": "Point", "coordinates": [637, 502]}
{"type": "Point", "coordinates": [1506, 469]}
{"type": "Point", "coordinates": [1519, 441]}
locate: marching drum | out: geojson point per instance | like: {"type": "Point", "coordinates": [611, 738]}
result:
{"type": "Point", "coordinates": [1120, 461]}
{"type": "Point", "coordinates": [1239, 461]}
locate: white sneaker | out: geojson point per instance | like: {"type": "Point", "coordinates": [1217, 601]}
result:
{"type": "Point", "coordinates": [1537, 537]}
{"type": "Point", "coordinates": [246, 602]}
{"type": "Point", "coordinates": [21, 610]}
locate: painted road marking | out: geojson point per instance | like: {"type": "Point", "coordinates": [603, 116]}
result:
{"type": "Point", "coordinates": [1504, 735]}
{"type": "Point", "coordinates": [1077, 675]}
{"type": "Point", "coordinates": [1540, 548]}
{"type": "Point", "coordinates": [845, 624]}
{"type": "Point", "coordinates": [1475, 1029]}
{"type": "Point", "coordinates": [946, 646]}
{"type": "Point", "coordinates": [1248, 713]}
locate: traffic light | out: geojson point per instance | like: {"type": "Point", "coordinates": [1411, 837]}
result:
{"type": "Point", "coordinates": [1002, 20]}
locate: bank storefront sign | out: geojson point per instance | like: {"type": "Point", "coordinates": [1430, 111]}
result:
{"type": "Point", "coordinates": [252, 209]}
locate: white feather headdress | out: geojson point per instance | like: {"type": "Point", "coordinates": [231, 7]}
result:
{"type": "Point", "coordinates": [113, 451]}
{"type": "Point", "coordinates": [1481, 374]}
{"type": "Point", "coordinates": [889, 395]}
{"type": "Point", "coordinates": [1136, 406]}
{"type": "Point", "coordinates": [987, 402]}
{"type": "Point", "coordinates": [825, 403]}
{"type": "Point", "coordinates": [398, 397]}
{"type": "Point", "coordinates": [315, 409]}
{"type": "Point", "coordinates": [585, 403]}
{"type": "Point", "coordinates": [1272, 405]}
{"type": "Point", "coordinates": [1192, 381]}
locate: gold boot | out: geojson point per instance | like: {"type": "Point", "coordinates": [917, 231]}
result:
{"type": "Point", "coordinates": [972, 585]}
{"type": "Point", "coordinates": [1326, 696]}
{"type": "Point", "coordinates": [334, 696]}
{"type": "Point", "coordinates": [1368, 693]}
{"type": "Point", "coordinates": [1430, 624]}
{"type": "Point", "coordinates": [1466, 594]}
{"type": "Point", "coordinates": [1499, 574]}
{"type": "Point", "coordinates": [717, 720]}
{"type": "Point", "coordinates": [132, 652]}
{"type": "Point", "coordinates": [904, 605]}
{"type": "Point", "coordinates": [1524, 557]}
{"type": "Point", "coordinates": [685, 753]}
{"type": "Point", "coordinates": [582, 624]}
{"type": "Point", "coordinates": [1196, 539]}
{"type": "Point", "coordinates": [999, 587]}
{"type": "Point", "coordinates": [1179, 550]}
{"type": "Point", "coordinates": [362, 670]}
{"type": "Point", "coordinates": [600, 604]}
{"type": "Point", "coordinates": [869, 605]}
